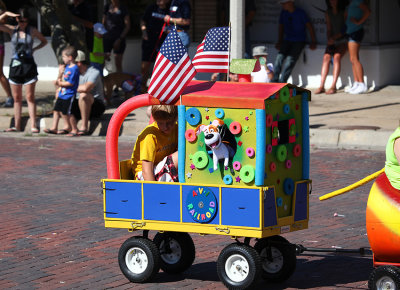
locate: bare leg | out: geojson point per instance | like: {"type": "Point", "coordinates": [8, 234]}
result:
{"type": "Point", "coordinates": [30, 98]}
{"type": "Point", "coordinates": [336, 71]}
{"type": "Point", "coordinates": [324, 72]}
{"type": "Point", "coordinates": [56, 119]}
{"type": "Point", "coordinates": [74, 124]}
{"type": "Point", "coordinates": [358, 71]}
{"type": "Point", "coordinates": [85, 105]}
{"type": "Point", "coordinates": [17, 94]}
{"type": "Point", "coordinates": [67, 124]}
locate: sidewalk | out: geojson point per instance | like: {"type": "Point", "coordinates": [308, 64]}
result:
{"type": "Point", "coordinates": [336, 121]}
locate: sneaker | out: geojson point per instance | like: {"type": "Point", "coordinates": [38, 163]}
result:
{"type": "Point", "coordinates": [349, 89]}
{"type": "Point", "coordinates": [360, 89]}
{"type": "Point", "coordinates": [9, 103]}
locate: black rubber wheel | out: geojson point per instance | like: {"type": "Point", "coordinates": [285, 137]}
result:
{"type": "Point", "coordinates": [278, 258]}
{"type": "Point", "coordinates": [139, 259]}
{"type": "Point", "coordinates": [384, 277]}
{"type": "Point", "coordinates": [177, 251]}
{"type": "Point", "coordinates": [239, 266]}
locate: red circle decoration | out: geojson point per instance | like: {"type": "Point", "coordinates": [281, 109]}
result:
{"type": "Point", "coordinates": [297, 150]}
{"type": "Point", "coordinates": [288, 164]}
{"type": "Point", "coordinates": [190, 135]}
{"type": "Point", "coordinates": [235, 128]}
{"type": "Point", "coordinates": [269, 148]}
{"type": "Point", "coordinates": [272, 166]}
{"type": "Point", "coordinates": [269, 120]}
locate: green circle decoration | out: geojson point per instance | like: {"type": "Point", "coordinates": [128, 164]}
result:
{"type": "Point", "coordinates": [281, 153]}
{"type": "Point", "coordinates": [284, 94]}
{"type": "Point", "coordinates": [200, 159]}
{"type": "Point", "coordinates": [247, 174]}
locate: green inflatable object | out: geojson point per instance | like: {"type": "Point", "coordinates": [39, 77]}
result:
{"type": "Point", "coordinates": [281, 153]}
{"type": "Point", "coordinates": [200, 159]}
{"type": "Point", "coordinates": [247, 174]}
{"type": "Point", "coordinates": [284, 94]}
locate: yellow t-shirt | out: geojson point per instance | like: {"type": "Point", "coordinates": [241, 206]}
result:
{"type": "Point", "coordinates": [153, 145]}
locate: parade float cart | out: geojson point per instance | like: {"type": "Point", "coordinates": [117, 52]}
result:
{"type": "Point", "coordinates": [261, 193]}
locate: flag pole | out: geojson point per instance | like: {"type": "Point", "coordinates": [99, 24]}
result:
{"type": "Point", "coordinates": [229, 51]}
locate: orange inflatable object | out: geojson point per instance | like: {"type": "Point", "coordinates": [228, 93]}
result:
{"type": "Point", "coordinates": [383, 222]}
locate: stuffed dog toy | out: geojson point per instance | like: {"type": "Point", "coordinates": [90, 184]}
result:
{"type": "Point", "coordinates": [213, 139]}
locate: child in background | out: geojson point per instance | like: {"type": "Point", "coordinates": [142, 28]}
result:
{"type": "Point", "coordinates": [97, 55]}
{"type": "Point", "coordinates": [155, 155]}
{"type": "Point", "coordinates": [68, 84]}
{"type": "Point", "coordinates": [266, 72]}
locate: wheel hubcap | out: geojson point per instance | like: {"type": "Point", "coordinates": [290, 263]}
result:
{"type": "Point", "coordinates": [273, 264]}
{"type": "Point", "coordinates": [385, 283]}
{"type": "Point", "coordinates": [237, 268]}
{"type": "Point", "coordinates": [171, 255]}
{"type": "Point", "coordinates": [136, 260]}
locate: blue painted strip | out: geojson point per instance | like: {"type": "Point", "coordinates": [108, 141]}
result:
{"type": "Point", "coordinates": [260, 147]}
{"type": "Point", "coordinates": [306, 136]}
{"type": "Point", "coordinates": [181, 142]}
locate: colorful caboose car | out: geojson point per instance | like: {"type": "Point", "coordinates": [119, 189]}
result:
{"type": "Point", "coordinates": [243, 171]}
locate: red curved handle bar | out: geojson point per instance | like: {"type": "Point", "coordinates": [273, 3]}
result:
{"type": "Point", "coordinates": [115, 125]}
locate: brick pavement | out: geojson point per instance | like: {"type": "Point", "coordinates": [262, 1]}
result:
{"type": "Point", "coordinates": [53, 234]}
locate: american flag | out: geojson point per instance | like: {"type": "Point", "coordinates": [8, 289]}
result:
{"type": "Point", "coordinates": [173, 70]}
{"type": "Point", "coordinates": [213, 53]}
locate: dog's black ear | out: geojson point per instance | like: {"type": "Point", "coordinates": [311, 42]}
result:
{"type": "Point", "coordinates": [228, 138]}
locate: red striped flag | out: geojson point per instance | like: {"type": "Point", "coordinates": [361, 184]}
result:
{"type": "Point", "coordinates": [173, 70]}
{"type": "Point", "coordinates": [213, 53]}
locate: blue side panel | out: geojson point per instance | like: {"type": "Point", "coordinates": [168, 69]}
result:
{"type": "Point", "coordinates": [306, 137]}
{"type": "Point", "coordinates": [260, 147]}
{"type": "Point", "coordinates": [301, 202]}
{"type": "Point", "coordinates": [270, 218]}
{"type": "Point", "coordinates": [123, 200]}
{"type": "Point", "coordinates": [240, 207]}
{"type": "Point", "coordinates": [186, 216]}
{"type": "Point", "coordinates": [181, 143]}
{"type": "Point", "coordinates": [161, 202]}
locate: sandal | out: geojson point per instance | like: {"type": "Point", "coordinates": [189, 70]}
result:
{"type": "Point", "coordinates": [83, 133]}
{"type": "Point", "coordinates": [319, 91]}
{"type": "Point", "coordinates": [331, 91]}
{"type": "Point", "coordinates": [62, 132]}
{"type": "Point", "coordinates": [11, 129]}
{"type": "Point", "coordinates": [34, 130]}
{"type": "Point", "coordinates": [72, 135]}
{"type": "Point", "coordinates": [50, 131]}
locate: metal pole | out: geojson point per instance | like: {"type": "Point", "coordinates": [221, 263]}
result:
{"type": "Point", "coordinates": [237, 19]}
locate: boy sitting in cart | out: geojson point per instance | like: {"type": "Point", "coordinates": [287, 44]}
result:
{"type": "Point", "coordinates": [155, 155]}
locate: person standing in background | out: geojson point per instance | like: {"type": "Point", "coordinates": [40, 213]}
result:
{"type": "Point", "coordinates": [356, 15]}
{"type": "Point", "coordinates": [180, 15]}
{"type": "Point", "coordinates": [116, 21]}
{"type": "Point", "coordinates": [293, 22]}
{"type": "Point", "coordinates": [3, 80]}
{"type": "Point", "coordinates": [152, 26]}
{"type": "Point", "coordinates": [337, 44]}
{"type": "Point", "coordinates": [23, 69]}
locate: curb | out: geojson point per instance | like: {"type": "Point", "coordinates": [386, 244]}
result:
{"type": "Point", "coordinates": [349, 139]}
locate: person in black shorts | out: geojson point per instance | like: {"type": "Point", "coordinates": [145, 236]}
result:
{"type": "Point", "coordinates": [117, 22]}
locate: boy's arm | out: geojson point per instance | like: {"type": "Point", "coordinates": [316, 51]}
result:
{"type": "Point", "coordinates": [397, 149]}
{"type": "Point", "coordinates": [147, 170]}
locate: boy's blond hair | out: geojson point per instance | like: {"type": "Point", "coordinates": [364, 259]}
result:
{"type": "Point", "coordinates": [70, 51]}
{"type": "Point", "coordinates": [164, 112]}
